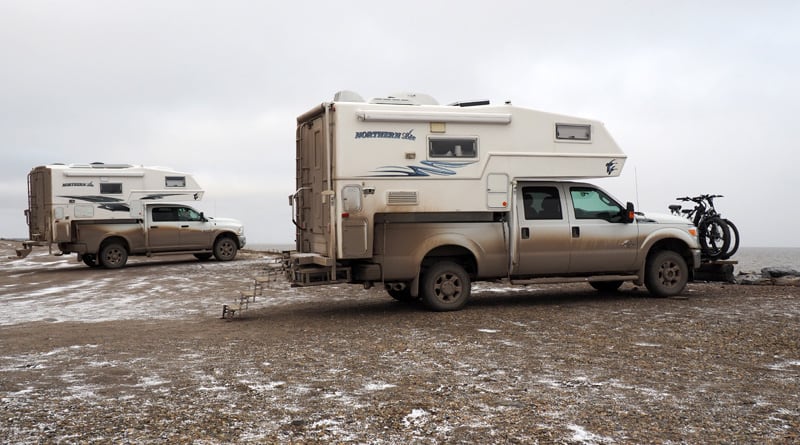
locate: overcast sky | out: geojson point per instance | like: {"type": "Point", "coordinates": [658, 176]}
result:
{"type": "Point", "coordinates": [702, 96]}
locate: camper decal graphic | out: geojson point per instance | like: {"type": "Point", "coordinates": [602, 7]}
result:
{"type": "Point", "coordinates": [428, 168]}
{"type": "Point", "coordinates": [78, 184]}
{"type": "Point", "coordinates": [407, 136]}
{"type": "Point", "coordinates": [106, 202]}
{"type": "Point", "coordinates": [611, 166]}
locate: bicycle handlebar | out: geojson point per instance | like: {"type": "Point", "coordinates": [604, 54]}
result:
{"type": "Point", "coordinates": [698, 198]}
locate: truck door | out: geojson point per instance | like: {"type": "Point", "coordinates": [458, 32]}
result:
{"type": "Point", "coordinates": [601, 240]}
{"type": "Point", "coordinates": [164, 228]}
{"type": "Point", "coordinates": [544, 235]}
{"type": "Point", "coordinates": [312, 216]}
{"type": "Point", "coordinates": [195, 231]}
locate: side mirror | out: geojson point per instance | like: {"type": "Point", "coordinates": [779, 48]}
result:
{"type": "Point", "coordinates": [630, 215]}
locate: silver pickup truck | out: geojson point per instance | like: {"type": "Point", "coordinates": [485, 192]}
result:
{"type": "Point", "coordinates": [166, 229]}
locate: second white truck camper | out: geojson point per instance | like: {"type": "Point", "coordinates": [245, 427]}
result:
{"type": "Point", "coordinates": [424, 199]}
{"type": "Point", "coordinates": [107, 212]}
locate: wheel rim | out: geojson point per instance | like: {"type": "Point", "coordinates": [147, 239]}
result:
{"type": "Point", "coordinates": [669, 273]}
{"type": "Point", "coordinates": [114, 256]}
{"type": "Point", "coordinates": [447, 287]}
{"type": "Point", "coordinates": [226, 249]}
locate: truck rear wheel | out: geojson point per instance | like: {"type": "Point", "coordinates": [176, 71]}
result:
{"type": "Point", "coordinates": [90, 260]}
{"type": "Point", "coordinates": [113, 255]}
{"type": "Point", "coordinates": [399, 291]}
{"type": "Point", "coordinates": [445, 286]}
{"type": "Point", "coordinates": [225, 248]}
{"type": "Point", "coordinates": [666, 274]}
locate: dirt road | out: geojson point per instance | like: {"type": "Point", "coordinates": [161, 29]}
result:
{"type": "Point", "coordinates": [140, 355]}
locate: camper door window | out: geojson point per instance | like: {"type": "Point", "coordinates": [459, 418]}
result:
{"type": "Point", "coordinates": [453, 147]}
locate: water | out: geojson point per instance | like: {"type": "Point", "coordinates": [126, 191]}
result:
{"type": "Point", "coordinates": [751, 259]}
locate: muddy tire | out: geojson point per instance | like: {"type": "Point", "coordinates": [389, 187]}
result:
{"type": "Point", "coordinates": [445, 286]}
{"type": "Point", "coordinates": [225, 248]}
{"type": "Point", "coordinates": [113, 255]}
{"type": "Point", "coordinates": [90, 260]}
{"type": "Point", "coordinates": [666, 274]}
{"type": "Point", "coordinates": [403, 294]}
{"type": "Point", "coordinates": [606, 286]}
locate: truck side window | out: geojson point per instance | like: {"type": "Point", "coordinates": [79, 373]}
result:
{"type": "Point", "coordinates": [452, 147]}
{"type": "Point", "coordinates": [541, 203]}
{"type": "Point", "coordinates": [164, 214]}
{"type": "Point", "coordinates": [590, 203]}
{"type": "Point", "coordinates": [187, 214]}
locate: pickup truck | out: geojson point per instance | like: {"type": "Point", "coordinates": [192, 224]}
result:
{"type": "Point", "coordinates": [166, 229]}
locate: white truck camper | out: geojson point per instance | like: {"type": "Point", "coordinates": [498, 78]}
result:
{"type": "Point", "coordinates": [424, 199]}
{"type": "Point", "coordinates": [106, 212]}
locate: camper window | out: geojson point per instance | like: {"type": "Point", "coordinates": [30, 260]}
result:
{"type": "Point", "coordinates": [175, 181]}
{"type": "Point", "coordinates": [573, 132]}
{"type": "Point", "coordinates": [110, 188]}
{"type": "Point", "coordinates": [453, 147]}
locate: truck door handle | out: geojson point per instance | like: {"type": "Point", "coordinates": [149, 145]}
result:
{"type": "Point", "coordinates": [153, 227]}
{"type": "Point", "coordinates": [526, 233]}
{"type": "Point", "coordinates": [185, 225]}
{"type": "Point", "coordinates": [576, 232]}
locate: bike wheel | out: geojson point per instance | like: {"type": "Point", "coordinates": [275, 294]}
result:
{"type": "Point", "coordinates": [734, 245]}
{"type": "Point", "coordinates": [715, 238]}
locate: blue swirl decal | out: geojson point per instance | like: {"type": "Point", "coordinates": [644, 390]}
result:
{"type": "Point", "coordinates": [428, 168]}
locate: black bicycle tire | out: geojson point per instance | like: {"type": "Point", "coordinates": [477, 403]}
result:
{"type": "Point", "coordinates": [713, 252]}
{"type": "Point", "coordinates": [734, 233]}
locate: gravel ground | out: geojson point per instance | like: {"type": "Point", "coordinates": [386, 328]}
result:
{"type": "Point", "coordinates": [140, 355]}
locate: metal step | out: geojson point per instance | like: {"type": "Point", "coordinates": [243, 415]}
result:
{"type": "Point", "coordinates": [316, 276]}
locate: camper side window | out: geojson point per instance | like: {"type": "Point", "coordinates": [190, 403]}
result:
{"type": "Point", "coordinates": [175, 181]}
{"type": "Point", "coordinates": [573, 132]}
{"type": "Point", "coordinates": [110, 188]}
{"type": "Point", "coordinates": [453, 147]}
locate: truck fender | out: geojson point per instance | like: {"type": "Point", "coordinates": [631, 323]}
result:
{"type": "Point", "coordinates": [668, 238]}
{"type": "Point", "coordinates": [455, 240]}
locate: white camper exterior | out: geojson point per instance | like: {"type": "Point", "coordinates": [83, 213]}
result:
{"type": "Point", "coordinates": [83, 208]}
{"type": "Point", "coordinates": [402, 155]}
{"type": "Point", "coordinates": [408, 193]}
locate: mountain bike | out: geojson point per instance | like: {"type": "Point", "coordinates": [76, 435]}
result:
{"type": "Point", "coordinates": [719, 237]}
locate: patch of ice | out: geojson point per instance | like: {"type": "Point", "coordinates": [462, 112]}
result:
{"type": "Point", "coordinates": [782, 366]}
{"type": "Point", "coordinates": [378, 386]}
{"type": "Point", "coordinates": [415, 418]}
{"type": "Point", "coordinates": [580, 435]}
{"type": "Point", "coordinates": [489, 331]}
{"type": "Point", "coordinates": [647, 345]}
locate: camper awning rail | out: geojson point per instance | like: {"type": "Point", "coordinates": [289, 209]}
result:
{"type": "Point", "coordinates": [93, 173]}
{"type": "Point", "coordinates": [432, 116]}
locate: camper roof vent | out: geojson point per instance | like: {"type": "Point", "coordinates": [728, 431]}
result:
{"type": "Point", "coordinates": [405, 99]}
{"type": "Point", "coordinates": [347, 96]}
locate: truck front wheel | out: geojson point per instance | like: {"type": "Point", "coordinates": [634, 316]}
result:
{"type": "Point", "coordinates": [225, 248]}
{"type": "Point", "coordinates": [666, 274]}
{"type": "Point", "coordinates": [113, 255]}
{"type": "Point", "coordinates": [445, 286]}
